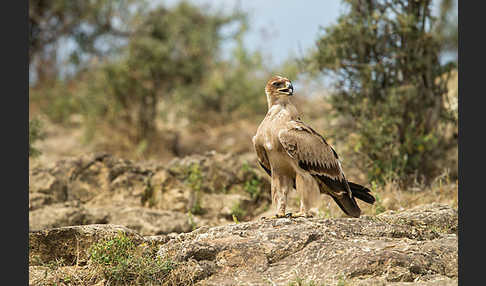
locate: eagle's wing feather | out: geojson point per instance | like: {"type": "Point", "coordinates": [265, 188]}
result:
{"type": "Point", "coordinates": [310, 150]}
{"type": "Point", "coordinates": [262, 157]}
{"type": "Point", "coordinates": [312, 153]}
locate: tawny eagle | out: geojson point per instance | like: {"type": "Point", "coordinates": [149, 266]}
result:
{"type": "Point", "coordinates": [295, 155]}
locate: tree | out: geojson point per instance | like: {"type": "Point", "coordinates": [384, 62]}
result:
{"type": "Point", "coordinates": [83, 22]}
{"type": "Point", "coordinates": [170, 49]}
{"type": "Point", "coordinates": [384, 56]}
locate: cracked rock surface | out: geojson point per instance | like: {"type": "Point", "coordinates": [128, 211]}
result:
{"type": "Point", "coordinates": [380, 250]}
{"type": "Point", "coordinates": [411, 247]}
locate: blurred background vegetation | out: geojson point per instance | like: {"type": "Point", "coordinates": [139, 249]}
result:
{"type": "Point", "coordinates": [150, 82]}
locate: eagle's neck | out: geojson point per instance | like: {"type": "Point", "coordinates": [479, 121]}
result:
{"type": "Point", "coordinates": [282, 107]}
{"type": "Point", "coordinates": [271, 101]}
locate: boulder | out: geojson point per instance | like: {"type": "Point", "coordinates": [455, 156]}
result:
{"type": "Point", "coordinates": [326, 251]}
{"type": "Point", "coordinates": [145, 196]}
{"type": "Point", "coordinates": [378, 250]}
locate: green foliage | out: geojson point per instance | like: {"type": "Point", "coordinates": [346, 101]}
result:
{"type": "Point", "coordinates": [56, 100]}
{"type": "Point", "coordinates": [237, 212]}
{"type": "Point", "coordinates": [253, 183]}
{"type": "Point", "coordinates": [148, 194]}
{"type": "Point", "coordinates": [35, 134]}
{"type": "Point", "coordinates": [378, 205]}
{"type": "Point", "coordinates": [341, 281]}
{"type": "Point", "coordinates": [190, 217]}
{"type": "Point", "coordinates": [384, 57]}
{"type": "Point", "coordinates": [232, 88]}
{"type": "Point", "coordinates": [171, 57]}
{"type": "Point", "coordinates": [194, 179]}
{"type": "Point", "coordinates": [114, 251]}
{"type": "Point", "coordinates": [122, 263]}
{"type": "Point", "coordinates": [253, 187]}
{"type": "Point", "coordinates": [155, 61]}
{"type": "Point", "coordinates": [84, 23]}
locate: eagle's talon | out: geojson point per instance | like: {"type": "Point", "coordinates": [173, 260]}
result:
{"type": "Point", "coordinates": [288, 215]}
{"type": "Point", "coordinates": [279, 215]}
{"type": "Point", "coordinates": [301, 214]}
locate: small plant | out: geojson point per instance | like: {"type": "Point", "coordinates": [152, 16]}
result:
{"type": "Point", "coordinates": [196, 207]}
{"type": "Point", "coordinates": [379, 208]}
{"type": "Point", "coordinates": [35, 134]}
{"type": "Point", "coordinates": [54, 264]}
{"type": "Point", "coordinates": [148, 194]}
{"type": "Point", "coordinates": [191, 220]}
{"type": "Point", "coordinates": [237, 212]}
{"type": "Point", "coordinates": [341, 281]}
{"type": "Point", "coordinates": [253, 185]}
{"type": "Point", "coordinates": [235, 219]}
{"type": "Point", "coordinates": [112, 252]}
{"type": "Point", "coordinates": [194, 179]}
{"type": "Point", "coordinates": [121, 263]}
{"type": "Point", "coordinates": [378, 205]}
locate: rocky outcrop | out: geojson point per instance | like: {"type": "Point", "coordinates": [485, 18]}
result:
{"type": "Point", "coordinates": [71, 244]}
{"type": "Point", "coordinates": [147, 197]}
{"type": "Point", "coordinates": [411, 247]}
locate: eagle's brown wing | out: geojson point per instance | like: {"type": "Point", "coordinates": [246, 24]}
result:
{"type": "Point", "coordinates": [312, 153]}
{"type": "Point", "coordinates": [262, 158]}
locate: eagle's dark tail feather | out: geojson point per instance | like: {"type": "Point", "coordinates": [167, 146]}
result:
{"type": "Point", "coordinates": [361, 193]}
{"type": "Point", "coordinates": [348, 205]}
{"type": "Point", "coordinates": [346, 202]}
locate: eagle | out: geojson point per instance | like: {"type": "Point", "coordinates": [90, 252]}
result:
{"type": "Point", "coordinates": [295, 156]}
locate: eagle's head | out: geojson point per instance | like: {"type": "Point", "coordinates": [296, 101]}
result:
{"type": "Point", "coordinates": [279, 87]}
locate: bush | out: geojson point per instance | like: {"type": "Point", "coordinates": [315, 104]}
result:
{"type": "Point", "coordinates": [172, 51]}
{"type": "Point", "coordinates": [122, 263]}
{"type": "Point", "coordinates": [385, 59]}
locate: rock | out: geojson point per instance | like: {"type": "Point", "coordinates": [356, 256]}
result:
{"type": "Point", "coordinates": [432, 216]}
{"type": "Point", "coordinates": [71, 243]}
{"type": "Point", "coordinates": [100, 188]}
{"type": "Point", "coordinates": [45, 188]}
{"type": "Point", "coordinates": [93, 178]}
{"type": "Point", "coordinates": [380, 250]}
{"type": "Point", "coordinates": [143, 220]}
{"type": "Point", "coordinates": [222, 205]}
{"type": "Point", "coordinates": [218, 172]}
{"type": "Point", "coordinates": [323, 250]}
{"type": "Point", "coordinates": [149, 221]}
{"type": "Point", "coordinates": [64, 214]}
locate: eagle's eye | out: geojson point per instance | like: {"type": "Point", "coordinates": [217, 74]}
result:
{"type": "Point", "coordinates": [276, 84]}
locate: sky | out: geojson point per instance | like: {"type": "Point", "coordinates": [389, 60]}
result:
{"type": "Point", "coordinates": [279, 29]}
{"type": "Point", "coordinates": [289, 27]}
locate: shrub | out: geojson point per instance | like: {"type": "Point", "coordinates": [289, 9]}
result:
{"type": "Point", "coordinates": [385, 59]}
{"type": "Point", "coordinates": [122, 263]}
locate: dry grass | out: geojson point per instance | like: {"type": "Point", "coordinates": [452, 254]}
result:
{"type": "Point", "coordinates": [391, 197]}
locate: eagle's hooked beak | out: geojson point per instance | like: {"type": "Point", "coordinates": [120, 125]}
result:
{"type": "Point", "coordinates": [289, 89]}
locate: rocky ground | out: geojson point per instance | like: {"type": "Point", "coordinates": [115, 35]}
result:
{"type": "Point", "coordinates": [211, 189]}
{"type": "Point", "coordinates": [201, 220]}
{"type": "Point", "coordinates": [413, 247]}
